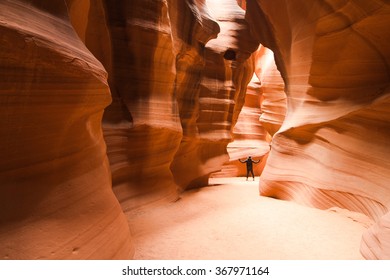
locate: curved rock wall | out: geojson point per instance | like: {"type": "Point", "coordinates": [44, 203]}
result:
{"type": "Point", "coordinates": [332, 147]}
{"type": "Point", "coordinates": [56, 200]}
{"type": "Point", "coordinates": [273, 99]}
{"type": "Point", "coordinates": [175, 96]}
{"type": "Point", "coordinates": [176, 92]}
{"type": "Point", "coordinates": [142, 126]}
{"type": "Point", "coordinates": [261, 116]}
{"type": "Point", "coordinates": [250, 137]}
{"type": "Point", "coordinates": [160, 133]}
{"type": "Point", "coordinates": [228, 68]}
{"type": "Point", "coordinates": [193, 27]}
{"type": "Point", "coordinates": [178, 73]}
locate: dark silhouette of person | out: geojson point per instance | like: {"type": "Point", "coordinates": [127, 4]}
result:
{"type": "Point", "coordinates": [249, 166]}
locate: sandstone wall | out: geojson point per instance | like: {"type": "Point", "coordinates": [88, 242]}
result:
{"type": "Point", "coordinates": [177, 77]}
{"type": "Point", "coordinates": [56, 200]}
{"type": "Point", "coordinates": [142, 126]}
{"type": "Point", "coordinates": [177, 80]}
{"type": "Point", "coordinates": [193, 27]}
{"type": "Point", "coordinates": [227, 69]}
{"type": "Point", "coordinates": [249, 136]}
{"type": "Point", "coordinates": [273, 97]}
{"type": "Point", "coordinates": [162, 132]}
{"type": "Point", "coordinates": [332, 147]}
{"type": "Point", "coordinates": [261, 116]}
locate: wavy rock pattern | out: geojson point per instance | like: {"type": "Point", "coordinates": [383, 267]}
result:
{"type": "Point", "coordinates": [178, 73]}
{"type": "Point", "coordinates": [56, 200]}
{"type": "Point", "coordinates": [189, 45]}
{"type": "Point", "coordinates": [170, 118]}
{"type": "Point", "coordinates": [332, 147]}
{"type": "Point", "coordinates": [250, 137]}
{"type": "Point", "coordinates": [261, 116]}
{"type": "Point", "coordinates": [273, 99]}
{"type": "Point", "coordinates": [218, 96]}
{"type": "Point", "coordinates": [142, 126]}
{"type": "Point", "coordinates": [173, 109]}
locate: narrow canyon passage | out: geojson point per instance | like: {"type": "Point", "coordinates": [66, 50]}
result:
{"type": "Point", "coordinates": [109, 108]}
{"type": "Point", "coordinates": [231, 221]}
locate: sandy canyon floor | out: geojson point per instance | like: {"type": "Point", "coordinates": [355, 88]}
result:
{"type": "Point", "coordinates": [229, 220]}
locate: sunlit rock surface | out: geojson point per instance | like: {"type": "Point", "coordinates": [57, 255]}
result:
{"type": "Point", "coordinates": [273, 97]}
{"type": "Point", "coordinates": [250, 137]}
{"type": "Point", "coordinates": [172, 78]}
{"type": "Point", "coordinates": [218, 95]}
{"type": "Point", "coordinates": [332, 149]}
{"type": "Point", "coordinates": [177, 89]}
{"type": "Point", "coordinates": [261, 116]}
{"type": "Point", "coordinates": [176, 93]}
{"type": "Point", "coordinates": [142, 126]}
{"type": "Point", "coordinates": [192, 28]}
{"type": "Point", "coordinates": [56, 200]}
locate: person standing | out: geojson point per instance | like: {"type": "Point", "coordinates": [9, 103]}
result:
{"type": "Point", "coordinates": [249, 166]}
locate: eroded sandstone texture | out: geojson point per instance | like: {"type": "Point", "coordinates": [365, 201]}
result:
{"type": "Point", "coordinates": [56, 200]}
{"type": "Point", "coordinates": [260, 117]}
{"type": "Point", "coordinates": [249, 136]}
{"type": "Point", "coordinates": [332, 149]}
{"type": "Point", "coordinates": [142, 126]}
{"type": "Point", "coordinates": [219, 91]}
{"type": "Point", "coordinates": [178, 75]}
{"type": "Point", "coordinates": [273, 97]}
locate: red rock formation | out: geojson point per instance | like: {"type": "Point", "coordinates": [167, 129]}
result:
{"type": "Point", "coordinates": [142, 126]}
{"type": "Point", "coordinates": [161, 124]}
{"type": "Point", "coordinates": [227, 71]}
{"type": "Point", "coordinates": [273, 99]}
{"type": "Point", "coordinates": [332, 147]}
{"type": "Point", "coordinates": [178, 73]}
{"type": "Point", "coordinates": [190, 63]}
{"type": "Point", "coordinates": [261, 116]}
{"type": "Point", "coordinates": [56, 200]}
{"type": "Point", "coordinates": [242, 4]}
{"type": "Point", "coordinates": [167, 128]}
{"type": "Point", "coordinates": [250, 137]}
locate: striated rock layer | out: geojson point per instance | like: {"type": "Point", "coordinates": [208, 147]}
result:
{"type": "Point", "coordinates": [177, 72]}
{"type": "Point", "coordinates": [175, 96]}
{"type": "Point", "coordinates": [218, 95]}
{"type": "Point", "coordinates": [56, 200]}
{"type": "Point", "coordinates": [261, 116]}
{"type": "Point", "coordinates": [250, 137]}
{"type": "Point", "coordinates": [142, 126]}
{"type": "Point", "coordinates": [332, 147]}
{"type": "Point", "coordinates": [192, 27]}
{"type": "Point", "coordinates": [273, 98]}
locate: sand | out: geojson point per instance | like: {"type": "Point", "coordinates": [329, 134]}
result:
{"type": "Point", "coordinates": [230, 221]}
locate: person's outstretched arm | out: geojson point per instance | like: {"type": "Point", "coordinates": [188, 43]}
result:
{"type": "Point", "coordinates": [242, 161]}
{"type": "Point", "coordinates": [256, 161]}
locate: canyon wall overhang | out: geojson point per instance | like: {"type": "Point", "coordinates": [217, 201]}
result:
{"type": "Point", "coordinates": [56, 199]}
{"type": "Point", "coordinates": [332, 149]}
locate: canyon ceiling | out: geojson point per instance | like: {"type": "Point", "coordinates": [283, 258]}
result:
{"type": "Point", "coordinates": [111, 105]}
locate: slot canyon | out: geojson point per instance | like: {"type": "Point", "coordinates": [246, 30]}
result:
{"type": "Point", "coordinates": [109, 108]}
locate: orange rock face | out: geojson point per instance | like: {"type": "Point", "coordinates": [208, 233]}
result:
{"type": "Point", "coordinates": [332, 147]}
{"type": "Point", "coordinates": [187, 164]}
{"type": "Point", "coordinates": [250, 137]}
{"type": "Point", "coordinates": [273, 97]}
{"type": "Point", "coordinates": [218, 96]}
{"type": "Point", "coordinates": [56, 200]}
{"type": "Point", "coordinates": [108, 106]}
{"type": "Point", "coordinates": [142, 125]}
{"type": "Point", "coordinates": [260, 117]}
{"type": "Point", "coordinates": [177, 74]}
